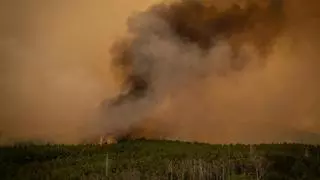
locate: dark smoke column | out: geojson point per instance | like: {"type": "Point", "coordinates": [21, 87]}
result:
{"type": "Point", "coordinates": [171, 45]}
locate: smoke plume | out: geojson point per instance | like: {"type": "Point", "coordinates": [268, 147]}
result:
{"type": "Point", "coordinates": [203, 71]}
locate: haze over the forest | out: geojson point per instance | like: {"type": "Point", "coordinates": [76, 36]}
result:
{"type": "Point", "coordinates": [219, 71]}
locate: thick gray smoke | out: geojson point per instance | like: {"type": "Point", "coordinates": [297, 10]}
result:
{"type": "Point", "coordinates": [194, 71]}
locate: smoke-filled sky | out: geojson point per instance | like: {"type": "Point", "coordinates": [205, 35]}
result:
{"type": "Point", "coordinates": [211, 71]}
{"type": "Point", "coordinates": [55, 65]}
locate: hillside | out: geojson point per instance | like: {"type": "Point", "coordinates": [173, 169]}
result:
{"type": "Point", "coordinates": [146, 159]}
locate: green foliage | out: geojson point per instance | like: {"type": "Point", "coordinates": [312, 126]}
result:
{"type": "Point", "coordinates": [147, 159]}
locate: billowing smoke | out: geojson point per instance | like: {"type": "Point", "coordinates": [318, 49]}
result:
{"type": "Point", "coordinates": [196, 70]}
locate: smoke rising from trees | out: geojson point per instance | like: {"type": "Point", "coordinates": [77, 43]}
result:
{"type": "Point", "coordinates": [197, 72]}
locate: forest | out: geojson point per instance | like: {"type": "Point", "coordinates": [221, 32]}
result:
{"type": "Point", "coordinates": [159, 159]}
